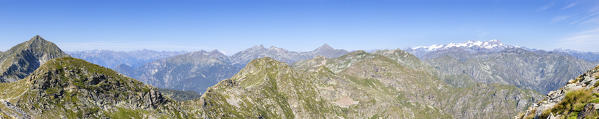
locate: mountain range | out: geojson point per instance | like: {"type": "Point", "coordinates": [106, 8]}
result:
{"type": "Point", "coordinates": [122, 59]}
{"type": "Point", "coordinates": [484, 61]}
{"type": "Point", "coordinates": [355, 85]}
{"type": "Point", "coordinates": [454, 81]}
{"type": "Point", "coordinates": [588, 56]}
{"type": "Point", "coordinates": [198, 70]}
{"type": "Point", "coordinates": [495, 62]}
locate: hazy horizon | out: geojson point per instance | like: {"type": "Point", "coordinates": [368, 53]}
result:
{"type": "Point", "coordinates": [269, 46]}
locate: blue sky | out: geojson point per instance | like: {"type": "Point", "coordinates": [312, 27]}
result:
{"type": "Point", "coordinates": [233, 25]}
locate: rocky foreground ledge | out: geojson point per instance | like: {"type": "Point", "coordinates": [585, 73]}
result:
{"type": "Point", "coordinates": [578, 99]}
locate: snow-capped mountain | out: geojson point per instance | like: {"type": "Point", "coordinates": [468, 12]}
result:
{"type": "Point", "coordinates": [475, 45]}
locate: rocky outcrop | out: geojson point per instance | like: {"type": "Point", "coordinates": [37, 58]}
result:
{"type": "Point", "coordinates": [73, 88]}
{"type": "Point", "coordinates": [578, 99]}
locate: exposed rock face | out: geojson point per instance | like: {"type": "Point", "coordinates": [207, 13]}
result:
{"type": "Point", "coordinates": [578, 99]}
{"type": "Point", "coordinates": [21, 60]}
{"type": "Point", "coordinates": [73, 88]}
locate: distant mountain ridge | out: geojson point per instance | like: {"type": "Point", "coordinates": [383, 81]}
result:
{"type": "Point", "coordinates": [588, 56]}
{"type": "Point", "coordinates": [198, 70]}
{"type": "Point", "coordinates": [494, 62]}
{"type": "Point", "coordinates": [454, 58]}
{"type": "Point", "coordinates": [243, 57]}
{"type": "Point", "coordinates": [381, 84]}
{"type": "Point", "coordinates": [193, 71]}
{"type": "Point", "coordinates": [114, 59]}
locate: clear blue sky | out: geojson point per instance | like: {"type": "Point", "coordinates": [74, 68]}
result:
{"type": "Point", "coordinates": [233, 25]}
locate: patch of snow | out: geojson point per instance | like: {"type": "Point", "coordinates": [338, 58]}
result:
{"type": "Point", "coordinates": [492, 44]}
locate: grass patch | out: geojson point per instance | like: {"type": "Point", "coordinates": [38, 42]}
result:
{"type": "Point", "coordinates": [123, 113]}
{"type": "Point", "coordinates": [573, 103]}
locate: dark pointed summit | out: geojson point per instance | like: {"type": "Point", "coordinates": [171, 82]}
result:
{"type": "Point", "coordinates": [36, 42]}
{"type": "Point", "coordinates": [325, 47]}
{"type": "Point", "coordinates": [328, 51]}
{"type": "Point", "coordinates": [24, 58]}
{"type": "Point", "coordinates": [37, 39]}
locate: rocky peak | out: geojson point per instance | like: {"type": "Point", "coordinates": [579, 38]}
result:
{"type": "Point", "coordinates": [25, 57]}
{"type": "Point", "coordinates": [324, 47]}
{"type": "Point", "coordinates": [277, 49]}
{"type": "Point", "coordinates": [36, 43]}
{"type": "Point", "coordinates": [206, 53]}
{"type": "Point", "coordinates": [199, 57]}
{"type": "Point", "coordinates": [257, 47]}
{"type": "Point", "coordinates": [265, 65]}
{"type": "Point", "coordinates": [265, 62]}
{"type": "Point", "coordinates": [37, 38]}
{"type": "Point", "coordinates": [328, 51]}
{"type": "Point", "coordinates": [402, 57]}
{"type": "Point", "coordinates": [65, 78]}
{"type": "Point", "coordinates": [356, 55]}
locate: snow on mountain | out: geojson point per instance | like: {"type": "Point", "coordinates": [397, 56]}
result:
{"type": "Point", "coordinates": [492, 44]}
